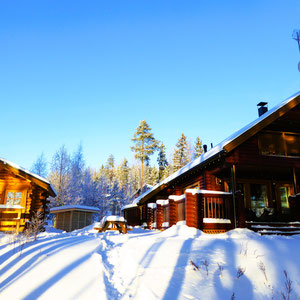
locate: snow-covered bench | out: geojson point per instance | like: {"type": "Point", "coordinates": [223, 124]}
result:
{"type": "Point", "coordinates": [112, 223]}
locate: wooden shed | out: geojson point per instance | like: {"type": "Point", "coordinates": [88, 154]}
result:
{"type": "Point", "coordinates": [22, 193]}
{"type": "Point", "coordinates": [71, 217]}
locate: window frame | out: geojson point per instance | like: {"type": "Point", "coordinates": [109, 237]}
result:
{"type": "Point", "coordinates": [14, 191]}
{"type": "Point", "coordinates": [282, 134]}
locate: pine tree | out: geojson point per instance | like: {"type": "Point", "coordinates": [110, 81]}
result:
{"type": "Point", "coordinates": [162, 161]}
{"type": "Point", "coordinates": [198, 150]}
{"type": "Point", "coordinates": [180, 157]}
{"type": "Point", "coordinates": [39, 167]}
{"type": "Point", "coordinates": [145, 145]}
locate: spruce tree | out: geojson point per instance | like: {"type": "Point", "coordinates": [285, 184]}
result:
{"type": "Point", "coordinates": [162, 161]}
{"type": "Point", "coordinates": [181, 155]}
{"type": "Point", "coordinates": [145, 145]}
{"type": "Point", "coordinates": [198, 150]}
{"type": "Point", "coordinates": [110, 169]}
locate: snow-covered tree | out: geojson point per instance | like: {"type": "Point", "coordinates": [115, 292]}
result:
{"type": "Point", "coordinates": [60, 175]}
{"type": "Point", "coordinates": [39, 167]}
{"type": "Point", "coordinates": [162, 160]}
{"type": "Point", "coordinates": [123, 175]}
{"type": "Point", "coordinates": [145, 145]}
{"type": "Point", "coordinates": [110, 169]}
{"type": "Point", "coordinates": [76, 176]}
{"type": "Point", "coordinates": [198, 150]}
{"type": "Point", "coordinates": [181, 154]}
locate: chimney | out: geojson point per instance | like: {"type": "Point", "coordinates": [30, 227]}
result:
{"type": "Point", "coordinates": [205, 148]}
{"type": "Point", "coordinates": [262, 108]}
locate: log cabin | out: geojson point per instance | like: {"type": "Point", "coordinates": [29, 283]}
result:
{"type": "Point", "coordinates": [251, 179]}
{"type": "Point", "coordinates": [22, 193]}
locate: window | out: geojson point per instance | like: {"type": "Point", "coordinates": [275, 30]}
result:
{"type": "Point", "coordinates": [258, 194]}
{"type": "Point", "coordinates": [13, 198]}
{"type": "Point", "coordinates": [281, 144]}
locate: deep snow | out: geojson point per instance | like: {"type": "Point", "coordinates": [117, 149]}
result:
{"type": "Point", "coordinates": [178, 263]}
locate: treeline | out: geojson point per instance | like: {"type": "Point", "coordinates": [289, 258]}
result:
{"type": "Point", "coordinates": [112, 186]}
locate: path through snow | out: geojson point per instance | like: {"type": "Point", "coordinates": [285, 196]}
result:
{"type": "Point", "coordinates": [150, 265]}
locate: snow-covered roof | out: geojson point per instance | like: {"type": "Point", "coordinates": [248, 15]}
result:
{"type": "Point", "coordinates": [17, 167]}
{"type": "Point", "coordinates": [221, 147]}
{"type": "Point", "coordinates": [74, 207]}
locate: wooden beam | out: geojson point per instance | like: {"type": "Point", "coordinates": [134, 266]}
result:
{"type": "Point", "coordinates": [233, 190]}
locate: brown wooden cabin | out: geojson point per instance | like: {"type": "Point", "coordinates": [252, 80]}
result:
{"type": "Point", "coordinates": [250, 179]}
{"type": "Point", "coordinates": [21, 194]}
{"type": "Point", "coordinates": [71, 217]}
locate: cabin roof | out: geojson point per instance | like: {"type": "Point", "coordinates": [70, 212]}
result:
{"type": "Point", "coordinates": [22, 172]}
{"type": "Point", "coordinates": [226, 145]}
{"type": "Point", "coordinates": [63, 208]}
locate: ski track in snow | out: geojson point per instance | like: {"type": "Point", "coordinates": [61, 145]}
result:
{"type": "Point", "coordinates": [149, 265]}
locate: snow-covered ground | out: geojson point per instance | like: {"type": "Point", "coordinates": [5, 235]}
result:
{"type": "Point", "coordinates": [179, 263]}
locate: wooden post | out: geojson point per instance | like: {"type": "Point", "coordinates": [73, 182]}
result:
{"type": "Point", "coordinates": [193, 208]}
{"type": "Point", "coordinates": [172, 212]}
{"type": "Point", "coordinates": [295, 181]}
{"type": "Point", "coordinates": [150, 217]}
{"type": "Point", "coordinates": [233, 190]}
{"type": "Point", "coordinates": [159, 216]}
{"type": "Point", "coordinates": [241, 215]}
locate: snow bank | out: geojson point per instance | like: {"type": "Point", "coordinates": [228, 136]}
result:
{"type": "Point", "coordinates": [179, 263]}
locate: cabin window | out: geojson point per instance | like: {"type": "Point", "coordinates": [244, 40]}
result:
{"type": "Point", "coordinates": [258, 194]}
{"type": "Point", "coordinates": [181, 211]}
{"type": "Point", "coordinates": [166, 213]}
{"type": "Point", "coordinates": [13, 198]}
{"type": "Point", "coordinates": [281, 144]}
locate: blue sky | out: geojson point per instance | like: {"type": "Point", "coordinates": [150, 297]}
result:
{"type": "Point", "coordinates": [89, 71]}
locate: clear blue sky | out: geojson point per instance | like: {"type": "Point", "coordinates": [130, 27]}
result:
{"type": "Point", "coordinates": [89, 71]}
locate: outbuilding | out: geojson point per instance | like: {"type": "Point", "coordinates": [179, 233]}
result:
{"type": "Point", "coordinates": [71, 217]}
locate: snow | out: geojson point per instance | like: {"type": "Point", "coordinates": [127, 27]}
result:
{"type": "Point", "coordinates": [177, 198]}
{"type": "Point", "coordinates": [197, 191]}
{"type": "Point", "coordinates": [11, 206]}
{"type": "Point", "coordinates": [162, 202]}
{"type": "Point", "coordinates": [7, 162]}
{"type": "Point", "coordinates": [179, 263]}
{"type": "Point", "coordinates": [151, 205]}
{"type": "Point", "coordinates": [217, 150]}
{"type": "Point", "coordinates": [110, 218]}
{"type": "Point", "coordinates": [75, 207]}
{"type": "Point", "coordinates": [213, 220]}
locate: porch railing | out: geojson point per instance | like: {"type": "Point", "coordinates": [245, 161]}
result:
{"type": "Point", "coordinates": [11, 218]}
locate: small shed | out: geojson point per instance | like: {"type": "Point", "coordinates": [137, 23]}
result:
{"type": "Point", "coordinates": [71, 217]}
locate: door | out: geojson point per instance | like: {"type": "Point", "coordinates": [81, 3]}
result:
{"type": "Point", "coordinates": [283, 192]}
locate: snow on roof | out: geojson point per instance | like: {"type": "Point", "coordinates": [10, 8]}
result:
{"type": "Point", "coordinates": [75, 207]}
{"type": "Point", "coordinates": [7, 162]}
{"type": "Point", "coordinates": [131, 205]}
{"type": "Point", "coordinates": [215, 150]}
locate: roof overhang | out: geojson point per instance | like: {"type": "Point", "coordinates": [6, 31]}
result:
{"type": "Point", "coordinates": [27, 175]}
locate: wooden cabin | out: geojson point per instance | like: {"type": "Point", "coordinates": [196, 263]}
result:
{"type": "Point", "coordinates": [21, 194]}
{"type": "Point", "coordinates": [71, 217]}
{"type": "Point", "coordinates": [250, 179]}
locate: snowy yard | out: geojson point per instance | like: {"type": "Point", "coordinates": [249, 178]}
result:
{"type": "Point", "coordinates": [179, 263]}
